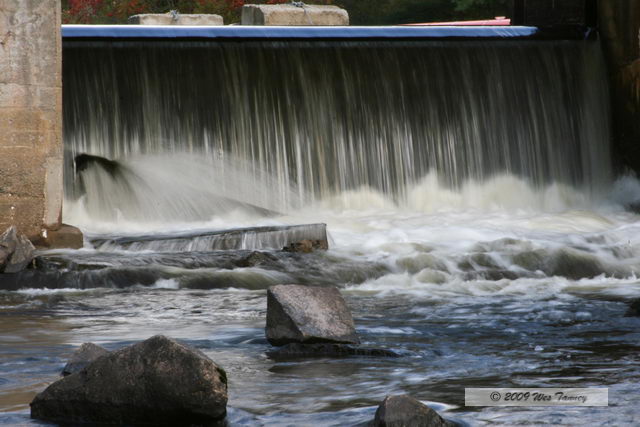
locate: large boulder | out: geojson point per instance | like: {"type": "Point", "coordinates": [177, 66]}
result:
{"type": "Point", "coordinates": [308, 314]}
{"type": "Point", "coordinates": [85, 354]}
{"type": "Point", "coordinates": [405, 411]}
{"type": "Point", "coordinates": [16, 251]}
{"type": "Point", "coordinates": [158, 382]}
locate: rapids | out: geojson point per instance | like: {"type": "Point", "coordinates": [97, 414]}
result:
{"type": "Point", "coordinates": [494, 284]}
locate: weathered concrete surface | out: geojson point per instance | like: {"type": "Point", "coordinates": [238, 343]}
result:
{"type": "Point", "coordinates": [85, 354]}
{"type": "Point", "coordinates": [30, 115]}
{"type": "Point", "coordinates": [308, 314]}
{"type": "Point", "coordinates": [405, 411]}
{"type": "Point", "coordinates": [266, 237]}
{"type": "Point", "coordinates": [176, 19]}
{"type": "Point", "coordinates": [287, 14]}
{"type": "Point", "coordinates": [619, 23]}
{"type": "Point", "coordinates": [155, 382]}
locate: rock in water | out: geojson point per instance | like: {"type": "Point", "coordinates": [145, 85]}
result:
{"type": "Point", "coordinates": [158, 381]}
{"type": "Point", "coordinates": [297, 350]}
{"type": "Point", "coordinates": [405, 411]}
{"type": "Point", "coordinates": [634, 309]}
{"type": "Point", "coordinates": [308, 314]}
{"type": "Point", "coordinates": [306, 246]}
{"type": "Point", "coordinates": [16, 251]}
{"type": "Point", "coordinates": [87, 353]}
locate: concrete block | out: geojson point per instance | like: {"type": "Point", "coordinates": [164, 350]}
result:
{"type": "Point", "coordinates": [287, 14]}
{"type": "Point", "coordinates": [176, 19]}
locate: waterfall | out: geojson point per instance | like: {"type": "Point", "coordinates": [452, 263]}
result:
{"type": "Point", "coordinates": [323, 117]}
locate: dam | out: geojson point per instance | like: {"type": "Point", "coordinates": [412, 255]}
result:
{"type": "Point", "coordinates": [477, 223]}
{"type": "Point", "coordinates": [322, 111]}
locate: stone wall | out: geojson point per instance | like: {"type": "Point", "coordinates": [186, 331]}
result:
{"type": "Point", "coordinates": [30, 115]}
{"type": "Point", "coordinates": [619, 23]}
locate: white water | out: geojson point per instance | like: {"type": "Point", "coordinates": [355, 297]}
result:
{"type": "Point", "coordinates": [501, 236]}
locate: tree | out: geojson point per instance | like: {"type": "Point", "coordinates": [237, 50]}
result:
{"type": "Point", "coordinates": [361, 12]}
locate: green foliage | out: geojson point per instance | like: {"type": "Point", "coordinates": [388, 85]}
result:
{"type": "Point", "coordinates": [389, 12]}
{"type": "Point", "coordinates": [361, 12]}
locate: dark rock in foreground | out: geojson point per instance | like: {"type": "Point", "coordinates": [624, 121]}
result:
{"type": "Point", "coordinates": [155, 382]}
{"type": "Point", "coordinates": [307, 246]}
{"type": "Point", "coordinates": [634, 309]}
{"type": "Point", "coordinates": [405, 411]}
{"type": "Point", "coordinates": [16, 251]}
{"type": "Point", "coordinates": [85, 354]}
{"type": "Point", "coordinates": [256, 258]}
{"type": "Point", "coordinates": [308, 314]}
{"type": "Point", "coordinates": [297, 350]}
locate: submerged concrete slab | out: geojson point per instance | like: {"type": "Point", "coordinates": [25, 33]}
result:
{"type": "Point", "coordinates": [176, 19]}
{"type": "Point", "coordinates": [277, 237]}
{"type": "Point", "coordinates": [288, 14]}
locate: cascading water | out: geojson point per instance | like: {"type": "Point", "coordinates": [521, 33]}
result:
{"type": "Point", "coordinates": [327, 117]}
{"type": "Point", "coordinates": [476, 228]}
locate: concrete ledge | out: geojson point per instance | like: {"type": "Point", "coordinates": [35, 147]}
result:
{"type": "Point", "coordinates": [287, 14]}
{"type": "Point", "coordinates": [176, 19]}
{"type": "Point", "coordinates": [73, 33]}
{"type": "Point", "coordinates": [269, 237]}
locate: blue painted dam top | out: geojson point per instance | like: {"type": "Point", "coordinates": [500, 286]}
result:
{"type": "Point", "coordinates": [264, 32]}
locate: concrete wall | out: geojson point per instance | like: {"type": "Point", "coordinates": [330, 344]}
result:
{"type": "Point", "coordinates": [30, 115]}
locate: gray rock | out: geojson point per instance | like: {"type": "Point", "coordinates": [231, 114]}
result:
{"type": "Point", "coordinates": [158, 381]}
{"type": "Point", "coordinates": [16, 251]}
{"type": "Point", "coordinates": [405, 411]}
{"type": "Point", "coordinates": [256, 258]}
{"type": "Point", "coordinates": [8, 241]}
{"type": "Point", "coordinates": [85, 354]}
{"type": "Point", "coordinates": [297, 350]}
{"type": "Point", "coordinates": [308, 314]}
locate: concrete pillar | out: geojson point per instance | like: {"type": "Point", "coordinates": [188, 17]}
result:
{"type": "Point", "coordinates": [31, 189]}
